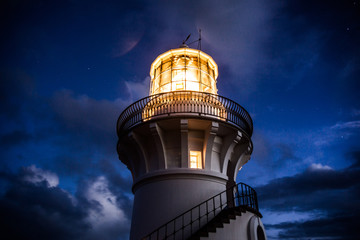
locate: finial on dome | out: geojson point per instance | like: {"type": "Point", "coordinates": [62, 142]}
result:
{"type": "Point", "coordinates": [183, 45]}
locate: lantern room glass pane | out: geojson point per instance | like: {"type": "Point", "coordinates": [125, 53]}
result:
{"type": "Point", "coordinates": [204, 65]}
{"type": "Point", "coordinates": [165, 88]}
{"type": "Point", "coordinates": [205, 79]}
{"type": "Point", "coordinates": [183, 69]}
{"type": "Point", "coordinates": [193, 62]}
{"type": "Point", "coordinates": [166, 65]}
{"type": "Point", "coordinates": [179, 61]}
{"type": "Point", "coordinates": [165, 78]}
{"type": "Point", "coordinates": [192, 80]}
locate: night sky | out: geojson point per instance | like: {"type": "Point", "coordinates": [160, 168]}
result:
{"type": "Point", "coordinates": [68, 68]}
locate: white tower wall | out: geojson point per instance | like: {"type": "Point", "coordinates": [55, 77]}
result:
{"type": "Point", "coordinates": [164, 185]}
{"type": "Point", "coordinates": [172, 194]}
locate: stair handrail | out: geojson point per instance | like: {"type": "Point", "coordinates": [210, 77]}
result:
{"type": "Point", "coordinates": [245, 197]}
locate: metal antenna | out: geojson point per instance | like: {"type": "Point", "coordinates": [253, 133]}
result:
{"type": "Point", "coordinates": [198, 41]}
{"type": "Point", "coordinates": [199, 44]}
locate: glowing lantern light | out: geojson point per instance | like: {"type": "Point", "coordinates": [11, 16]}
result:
{"type": "Point", "coordinates": [179, 79]}
{"type": "Point", "coordinates": [183, 69]}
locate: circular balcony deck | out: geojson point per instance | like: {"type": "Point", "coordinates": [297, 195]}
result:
{"type": "Point", "coordinates": [184, 104]}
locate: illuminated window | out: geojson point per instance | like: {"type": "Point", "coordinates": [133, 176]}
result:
{"type": "Point", "coordinates": [195, 159]}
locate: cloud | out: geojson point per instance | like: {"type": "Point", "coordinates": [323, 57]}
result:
{"type": "Point", "coordinates": [285, 153]}
{"type": "Point", "coordinates": [15, 137]}
{"type": "Point", "coordinates": [73, 135]}
{"type": "Point", "coordinates": [334, 227]}
{"type": "Point", "coordinates": [274, 156]}
{"type": "Point", "coordinates": [338, 132]}
{"type": "Point", "coordinates": [263, 148]}
{"type": "Point", "coordinates": [346, 125]}
{"type": "Point", "coordinates": [39, 211]}
{"type": "Point", "coordinates": [318, 167]}
{"type": "Point", "coordinates": [85, 113]}
{"type": "Point", "coordinates": [235, 35]}
{"type": "Point", "coordinates": [355, 112]}
{"type": "Point", "coordinates": [316, 178]}
{"type": "Point", "coordinates": [36, 175]}
{"type": "Point", "coordinates": [127, 43]}
{"type": "Point", "coordinates": [138, 90]}
{"type": "Point", "coordinates": [329, 197]}
{"type": "Point", "coordinates": [34, 203]}
{"type": "Point", "coordinates": [105, 215]}
{"type": "Point", "coordinates": [86, 119]}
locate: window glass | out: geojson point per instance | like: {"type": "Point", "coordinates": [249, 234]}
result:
{"type": "Point", "coordinates": [203, 65]}
{"type": "Point", "coordinates": [155, 84]}
{"type": "Point", "coordinates": [178, 75]}
{"type": "Point", "coordinates": [179, 62]}
{"type": "Point", "coordinates": [166, 88]}
{"type": "Point", "coordinates": [193, 62]}
{"type": "Point", "coordinates": [195, 159]}
{"type": "Point", "coordinates": [165, 78]}
{"type": "Point", "coordinates": [166, 65]}
{"type": "Point", "coordinates": [205, 79]}
{"type": "Point", "coordinates": [192, 80]}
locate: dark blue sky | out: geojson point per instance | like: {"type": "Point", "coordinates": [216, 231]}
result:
{"type": "Point", "coordinates": [68, 68]}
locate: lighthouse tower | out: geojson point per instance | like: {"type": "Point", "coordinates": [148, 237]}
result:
{"type": "Point", "coordinates": [184, 145]}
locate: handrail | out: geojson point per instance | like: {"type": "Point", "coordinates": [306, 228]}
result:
{"type": "Point", "coordinates": [186, 224]}
{"type": "Point", "coordinates": [192, 103]}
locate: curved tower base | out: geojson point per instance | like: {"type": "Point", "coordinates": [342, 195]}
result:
{"type": "Point", "coordinates": [172, 193]}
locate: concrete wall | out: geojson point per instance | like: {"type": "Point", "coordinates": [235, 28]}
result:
{"type": "Point", "coordinates": [165, 196]}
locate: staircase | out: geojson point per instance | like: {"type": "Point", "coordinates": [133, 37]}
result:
{"type": "Point", "coordinates": [222, 218]}
{"type": "Point", "coordinates": [209, 215]}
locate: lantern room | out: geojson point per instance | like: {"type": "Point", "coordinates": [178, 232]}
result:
{"type": "Point", "coordinates": [183, 69]}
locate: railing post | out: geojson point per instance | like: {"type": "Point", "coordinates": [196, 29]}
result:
{"type": "Point", "coordinates": [214, 206]}
{"type": "Point", "coordinates": [207, 212]}
{"type": "Point", "coordinates": [230, 193]}
{"type": "Point", "coordinates": [255, 200]}
{"type": "Point", "coordinates": [199, 216]}
{"type": "Point", "coordinates": [183, 227]}
{"type": "Point", "coordinates": [174, 228]}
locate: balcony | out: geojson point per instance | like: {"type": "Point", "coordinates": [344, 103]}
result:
{"type": "Point", "coordinates": [190, 104]}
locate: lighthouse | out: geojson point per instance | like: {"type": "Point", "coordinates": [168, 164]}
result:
{"type": "Point", "coordinates": [184, 145]}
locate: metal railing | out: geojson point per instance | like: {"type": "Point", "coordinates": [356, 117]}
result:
{"type": "Point", "coordinates": [180, 103]}
{"type": "Point", "coordinates": [191, 221]}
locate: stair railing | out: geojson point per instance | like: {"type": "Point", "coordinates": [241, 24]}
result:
{"type": "Point", "coordinates": [188, 223]}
